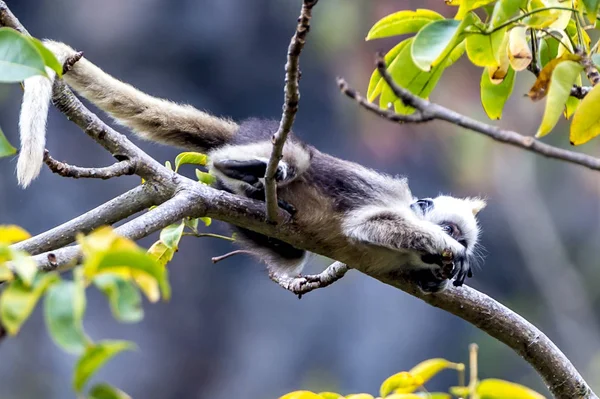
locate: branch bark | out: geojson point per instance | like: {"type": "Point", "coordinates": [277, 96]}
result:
{"type": "Point", "coordinates": [180, 197]}
{"type": "Point", "coordinates": [290, 106]}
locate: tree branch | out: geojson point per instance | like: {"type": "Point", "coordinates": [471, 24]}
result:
{"type": "Point", "coordinates": [117, 209]}
{"type": "Point", "coordinates": [76, 172]}
{"type": "Point", "coordinates": [438, 112]}
{"type": "Point", "coordinates": [290, 106]}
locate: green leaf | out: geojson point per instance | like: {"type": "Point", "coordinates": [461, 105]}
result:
{"type": "Point", "coordinates": [376, 82]}
{"type": "Point", "coordinates": [499, 389]}
{"type": "Point", "coordinates": [64, 307]}
{"type": "Point", "coordinates": [6, 149]}
{"type": "Point", "coordinates": [402, 22]}
{"type": "Point", "coordinates": [192, 224]}
{"type": "Point", "coordinates": [406, 74]}
{"type": "Point", "coordinates": [461, 392]}
{"type": "Point", "coordinates": [161, 253]}
{"type": "Point", "coordinates": [548, 50]}
{"type": "Point", "coordinates": [18, 300]}
{"type": "Point", "coordinates": [205, 178]}
{"type": "Point", "coordinates": [591, 6]}
{"type": "Point", "coordinates": [504, 10]}
{"type": "Point", "coordinates": [468, 5]}
{"type": "Point", "coordinates": [19, 57]}
{"type": "Point", "coordinates": [586, 121]}
{"type": "Point", "coordinates": [48, 56]}
{"type": "Point", "coordinates": [123, 296]}
{"type": "Point", "coordinates": [482, 49]}
{"type": "Point", "coordinates": [190, 158]}
{"type": "Point", "coordinates": [171, 235]}
{"type": "Point", "coordinates": [494, 96]}
{"type": "Point", "coordinates": [105, 391]}
{"type": "Point", "coordinates": [563, 78]}
{"type": "Point", "coordinates": [430, 367]}
{"type": "Point", "coordinates": [436, 40]}
{"type": "Point", "coordinates": [94, 358]}
{"type": "Point", "coordinates": [572, 102]}
{"type": "Point", "coordinates": [137, 262]}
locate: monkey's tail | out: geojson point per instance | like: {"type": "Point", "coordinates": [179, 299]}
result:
{"type": "Point", "coordinates": [149, 117]}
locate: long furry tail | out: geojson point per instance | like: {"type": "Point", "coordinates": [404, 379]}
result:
{"type": "Point", "coordinates": [149, 117]}
{"type": "Point", "coordinates": [32, 125]}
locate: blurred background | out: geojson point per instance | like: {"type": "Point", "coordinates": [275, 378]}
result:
{"type": "Point", "coordinates": [228, 330]}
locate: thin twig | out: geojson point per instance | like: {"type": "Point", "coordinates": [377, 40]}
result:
{"type": "Point", "coordinates": [416, 117]}
{"type": "Point", "coordinates": [217, 259]}
{"type": "Point", "coordinates": [122, 168]}
{"type": "Point", "coordinates": [439, 112]}
{"type": "Point", "coordinates": [304, 284]}
{"type": "Point", "coordinates": [199, 235]}
{"type": "Point", "coordinates": [290, 106]}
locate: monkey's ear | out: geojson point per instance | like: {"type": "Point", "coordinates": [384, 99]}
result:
{"type": "Point", "coordinates": [476, 204]}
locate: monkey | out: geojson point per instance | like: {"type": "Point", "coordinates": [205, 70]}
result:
{"type": "Point", "coordinates": [358, 214]}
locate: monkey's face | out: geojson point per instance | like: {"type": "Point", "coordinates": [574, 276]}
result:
{"type": "Point", "coordinates": [457, 219]}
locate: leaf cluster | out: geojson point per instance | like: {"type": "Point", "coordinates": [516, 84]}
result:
{"type": "Point", "coordinates": [548, 38]}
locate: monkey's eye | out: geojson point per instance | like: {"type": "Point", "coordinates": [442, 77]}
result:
{"type": "Point", "coordinates": [452, 230]}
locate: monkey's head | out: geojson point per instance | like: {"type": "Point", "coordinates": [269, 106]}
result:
{"type": "Point", "coordinates": [457, 218]}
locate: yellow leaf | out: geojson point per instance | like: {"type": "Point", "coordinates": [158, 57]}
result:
{"type": "Point", "coordinates": [540, 87]}
{"type": "Point", "coordinates": [586, 121]}
{"type": "Point", "coordinates": [562, 80]}
{"type": "Point", "coordinates": [519, 53]}
{"type": "Point", "coordinates": [148, 285]}
{"type": "Point", "coordinates": [10, 233]}
{"type": "Point", "coordinates": [161, 253]}
{"type": "Point", "coordinates": [330, 395]}
{"type": "Point", "coordinates": [404, 396]}
{"type": "Point", "coordinates": [499, 389]}
{"type": "Point", "coordinates": [5, 273]}
{"type": "Point", "coordinates": [403, 382]}
{"type": "Point", "coordinates": [301, 395]}
{"type": "Point", "coordinates": [360, 396]}
{"type": "Point", "coordinates": [428, 368]}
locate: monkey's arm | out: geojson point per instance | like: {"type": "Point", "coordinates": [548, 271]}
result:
{"type": "Point", "coordinates": [398, 228]}
{"type": "Point", "coordinates": [152, 118]}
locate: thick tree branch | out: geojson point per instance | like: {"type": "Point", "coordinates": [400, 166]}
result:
{"type": "Point", "coordinates": [115, 210]}
{"type": "Point", "coordinates": [76, 172]}
{"type": "Point", "coordinates": [438, 112]}
{"type": "Point", "coordinates": [290, 106]}
{"type": "Point", "coordinates": [190, 199]}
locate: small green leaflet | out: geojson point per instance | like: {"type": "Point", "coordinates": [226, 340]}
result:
{"type": "Point", "coordinates": [94, 358]}
{"type": "Point", "coordinates": [105, 391]}
{"type": "Point", "coordinates": [5, 148]}
{"type": "Point", "coordinates": [493, 97]}
{"type": "Point", "coordinates": [64, 307]}
{"type": "Point", "coordinates": [193, 158]}
{"type": "Point", "coordinates": [123, 296]}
